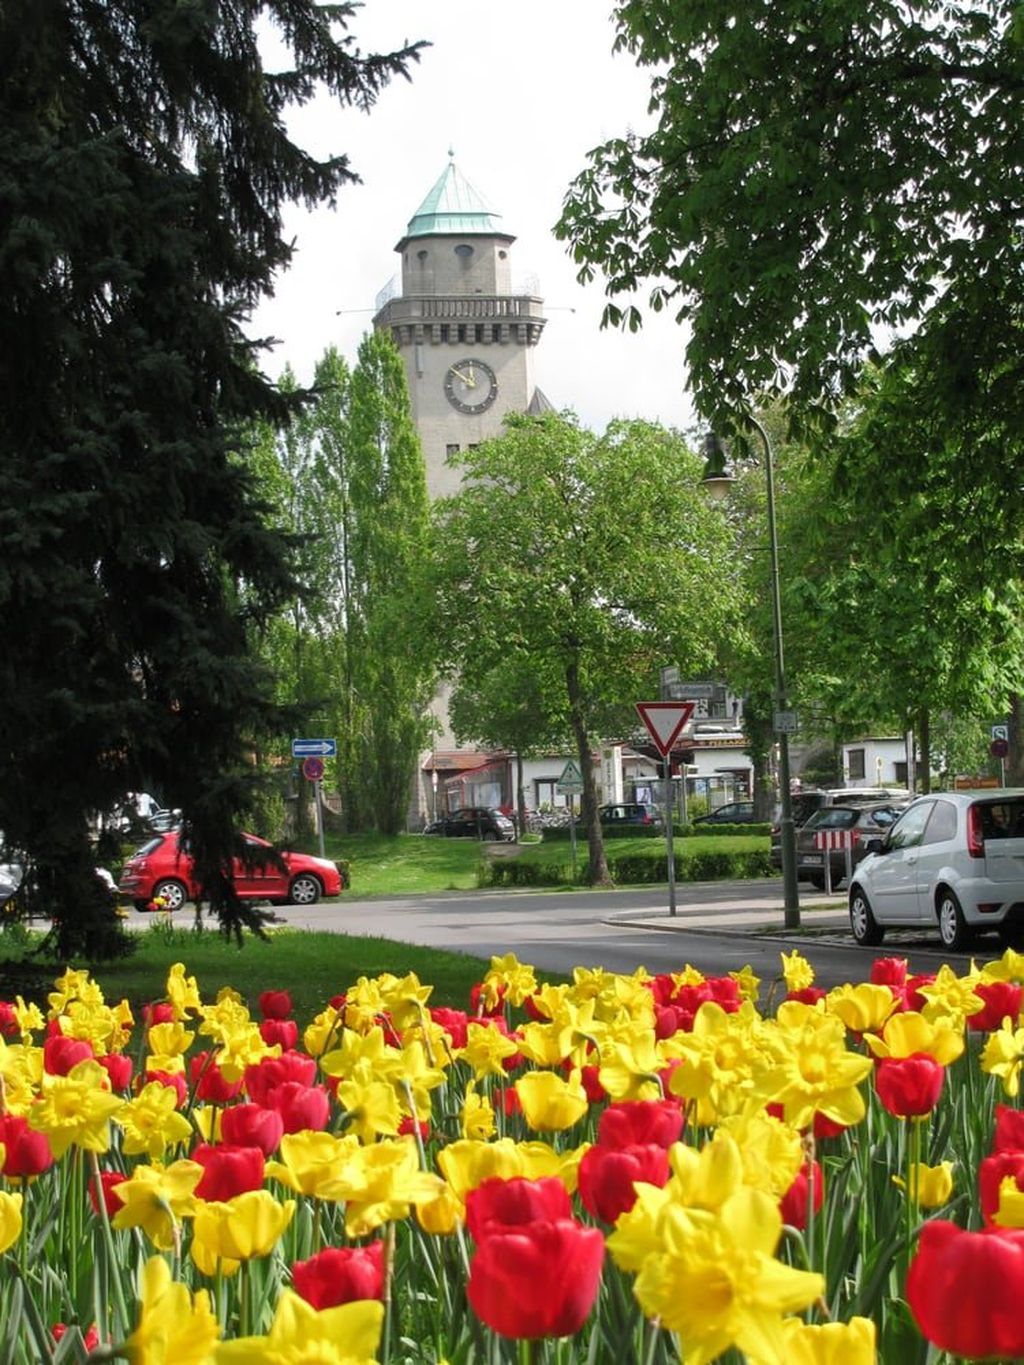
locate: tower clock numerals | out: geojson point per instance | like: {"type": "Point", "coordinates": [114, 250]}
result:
{"type": "Point", "coordinates": [470, 385]}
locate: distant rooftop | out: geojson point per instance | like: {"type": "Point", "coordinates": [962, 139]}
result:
{"type": "Point", "coordinates": [454, 207]}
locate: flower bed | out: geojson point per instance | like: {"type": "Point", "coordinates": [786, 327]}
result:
{"type": "Point", "coordinates": [650, 1169]}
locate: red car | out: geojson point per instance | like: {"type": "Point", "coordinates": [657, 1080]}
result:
{"type": "Point", "coordinates": [161, 868]}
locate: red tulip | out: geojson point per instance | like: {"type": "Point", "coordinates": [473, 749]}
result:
{"type": "Point", "coordinates": [162, 1013]}
{"type": "Point", "coordinates": [27, 1152]}
{"type": "Point", "coordinates": [61, 1054]}
{"type": "Point", "coordinates": [8, 1020]}
{"type": "Point", "coordinates": [915, 1000]}
{"type": "Point", "coordinates": [476, 1002]}
{"type": "Point", "coordinates": [340, 1275]}
{"type": "Point", "coordinates": [227, 1171]}
{"type": "Point", "coordinates": [793, 1205]}
{"type": "Point", "coordinates": [454, 1023]}
{"type": "Point", "coordinates": [632, 1121]}
{"type": "Point", "coordinates": [90, 1338]}
{"type": "Point", "coordinates": [965, 1290]}
{"type": "Point", "coordinates": [592, 1087]}
{"type": "Point", "coordinates": [992, 1171]}
{"type": "Point", "coordinates": [118, 1066]}
{"type": "Point", "coordinates": [909, 1086]}
{"type": "Point", "coordinates": [539, 1280]}
{"type": "Point", "coordinates": [889, 971]}
{"type": "Point", "coordinates": [109, 1181]}
{"type": "Point", "coordinates": [607, 1176]}
{"type": "Point", "coordinates": [209, 1082]}
{"type": "Point", "coordinates": [808, 995]}
{"type": "Point", "coordinates": [301, 1106]}
{"type": "Point", "coordinates": [274, 1071]}
{"type": "Point", "coordinates": [1001, 998]}
{"type": "Point", "coordinates": [496, 1205]}
{"type": "Point", "coordinates": [283, 1033]}
{"type": "Point", "coordinates": [250, 1125]}
{"type": "Point", "coordinates": [409, 1126]}
{"type": "Point", "coordinates": [275, 1004]}
{"type": "Point", "coordinates": [174, 1080]}
{"type": "Point", "coordinates": [1009, 1134]}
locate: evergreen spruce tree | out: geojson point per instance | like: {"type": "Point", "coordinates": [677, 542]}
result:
{"type": "Point", "coordinates": [144, 166]}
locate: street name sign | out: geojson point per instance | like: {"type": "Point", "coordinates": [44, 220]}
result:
{"type": "Point", "coordinates": [664, 721]}
{"type": "Point", "coordinates": [314, 748]}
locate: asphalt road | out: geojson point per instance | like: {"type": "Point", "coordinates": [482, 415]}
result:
{"type": "Point", "coordinates": [719, 927]}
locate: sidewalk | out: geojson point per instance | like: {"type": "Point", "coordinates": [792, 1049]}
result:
{"type": "Point", "coordinates": [745, 915]}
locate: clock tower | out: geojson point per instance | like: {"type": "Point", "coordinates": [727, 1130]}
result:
{"type": "Point", "coordinates": [465, 334]}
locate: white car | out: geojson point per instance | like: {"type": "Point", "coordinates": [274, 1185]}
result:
{"type": "Point", "coordinates": [954, 860]}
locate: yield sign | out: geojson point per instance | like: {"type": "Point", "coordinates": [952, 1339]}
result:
{"type": "Point", "coordinates": [664, 720]}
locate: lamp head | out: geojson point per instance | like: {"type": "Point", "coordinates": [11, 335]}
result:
{"type": "Point", "coordinates": [716, 479]}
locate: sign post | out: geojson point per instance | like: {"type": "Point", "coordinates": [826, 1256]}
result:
{"type": "Point", "coordinates": [313, 752]}
{"type": "Point", "coordinates": [665, 721]}
{"type": "Point", "coordinates": [570, 784]}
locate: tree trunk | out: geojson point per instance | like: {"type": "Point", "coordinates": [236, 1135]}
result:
{"type": "Point", "coordinates": [924, 782]}
{"type": "Point", "coordinates": [597, 866]}
{"type": "Point", "coordinates": [1015, 759]}
{"type": "Point", "coordinates": [520, 797]}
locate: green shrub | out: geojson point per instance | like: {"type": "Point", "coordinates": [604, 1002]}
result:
{"type": "Point", "coordinates": [682, 831]}
{"type": "Point", "coordinates": [638, 868]}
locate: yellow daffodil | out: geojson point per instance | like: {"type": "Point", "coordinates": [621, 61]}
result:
{"type": "Point", "coordinates": [405, 999]}
{"type": "Point", "coordinates": [508, 974]}
{"type": "Point", "coordinates": [156, 1199]}
{"type": "Point", "coordinates": [797, 972]}
{"type": "Point", "coordinates": [476, 1117]}
{"type": "Point", "coordinates": [466, 1164]}
{"type": "Point", "coordinates": [721, 1056]}
{"type": "Point", "coordinates": [240, 1229]}
{"type": "Point", "coordinates": [379, 1184]}
{"type": "Point", "coordinates": [811, 1072]}
{"type": "Point", "coordinates": [28, 1017]}
{"type": "Point", "coordinates": [749, 984]}
{"type": "Point", "coordinates": [716, 1281]}
{"type": "Point", "coordinates": [830, 1343]}
{"type": "Point", "coordinates": [310, 1162]}
{"type": "Point", "coordinates": [1010, 1213]}
{"type": "Point", "coordinates": [441, 1215]}
{"type": "Point", "coordinates": [21, 1071]}
{"type": "Point", "coordinates": [629, 1064]}
{"type": "Point", "coordinates": [417, 1079]}
{"type": "Point", "coordinates": [170, 1041]}
{"type": "Point", "coordinates": [182, 992]}
{"type": "Point", "coordinates": [951, 997]}
{"type": "Point", "coordinates": [96, 1023]}
{"type": "Point", "coordinates": [486, 1048]}
{"type": "Point", "coordinates": [371, 1108]}
{"type": "Point", "coordinates": [10, 1220]}
{"type": "Point", "coordinates": [551, 1103]}
{"type": "Point", "coordinates": [75, 1110]}
{"type": "Point", "coordinates": [301, 1335]}
{"type": "Point", "coordinates": [930, 1186]}
{"type": "Point", "coordinates": [364, 1005]}
{"type": "Point", "coordinates": [549, 998]}
{"type": "Point", "coordinates": [1002, 1056]}
{"type": "Point", "coordinates": [366, 1053]}
{"type": "Point", "coordinates": [73, 985]}
{"type": "Point", "coordinates": [1009, 967]}
{"type": "Point", "coordinates": [319, 1035]}
{"type": "Point", "coordinates": [176, 1327]}
{"type": "Point", "coordinates": [545, 1044]}
{"type": "Point", "coordinates": [863, 1008]}
{"type": "Point", "coordinates": [910, 1032]}
{"type": "Point", "coordinates": [771, 1151]}
{"type": "Point", "coordinates": [150, 1122]}
{"type": "Point", "coordinates": [243, 1047]}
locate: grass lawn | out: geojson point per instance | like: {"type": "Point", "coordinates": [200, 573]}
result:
{"type": "Point", "coordinates": [313, 966]}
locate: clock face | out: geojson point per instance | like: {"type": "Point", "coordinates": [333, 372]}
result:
{"type": "Point", "coordinates": [470, 385]}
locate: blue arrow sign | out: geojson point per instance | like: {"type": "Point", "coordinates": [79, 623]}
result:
{"type": "Point", "coordinates": [314, 748]}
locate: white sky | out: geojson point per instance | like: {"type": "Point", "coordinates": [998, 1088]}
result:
{"type": "Point", "coordinates": [521, 93]}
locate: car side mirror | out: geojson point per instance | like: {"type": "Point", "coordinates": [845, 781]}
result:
{"type": "Point", "coordinates": [875, 846]}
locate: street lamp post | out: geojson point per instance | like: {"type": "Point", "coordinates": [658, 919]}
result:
{"type": "Point", "coordinates": [717, 480]}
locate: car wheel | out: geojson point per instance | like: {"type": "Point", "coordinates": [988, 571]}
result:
{"type": "Point", "coordinates": [863, 925]}
{"type": "Point", "coordinates": [174, 894]}
{"type": "Point", "coordinates": [953, 928]}
{"type": "Point", "coordinates": [305, 889]}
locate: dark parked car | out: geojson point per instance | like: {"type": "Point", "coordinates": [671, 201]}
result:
{"type": "Point", "coordinates": [628, 813]}
{"type": "Point", "coordinates": [863, 822]}
{"type": "Point", "coordinates": [474, 822]}
{"type": "Point", "coordinates": [732, 813]}
{"type": "Point", "coordinates": [803, 804]}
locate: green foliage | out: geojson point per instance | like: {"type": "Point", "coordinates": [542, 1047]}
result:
{"type": "Point", "coordinates": [814, 172]}
{"type": "Point", "coordinates": [641, 863]}
{"type": "Point", "coordinates": [146, 165]}
{"type": "Point", "coordinates": [591, 559]}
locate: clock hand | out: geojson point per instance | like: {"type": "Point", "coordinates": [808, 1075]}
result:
{"type": "Point", "coordinates": [467, 379]}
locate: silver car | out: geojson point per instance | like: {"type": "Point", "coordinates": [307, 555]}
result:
{"type": "Point", "coordinates": [954, 860]}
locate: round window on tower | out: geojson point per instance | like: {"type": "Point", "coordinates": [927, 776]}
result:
{"type": "Point", "coordinates": [464, 252]}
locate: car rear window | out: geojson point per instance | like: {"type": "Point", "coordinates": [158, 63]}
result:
{"type": "Point", "coordinates": [836, 817]}
{"type": "Point", "coordinates": [1003, 819]}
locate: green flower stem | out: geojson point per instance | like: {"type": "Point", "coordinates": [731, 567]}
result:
{"type": "Point", "coordinates": [125, 1324]}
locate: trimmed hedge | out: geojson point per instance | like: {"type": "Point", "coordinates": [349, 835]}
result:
{"type": "Point", "coordinates": [638, 868]}
{"type": "Point", "coordinates": [560, 833]}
